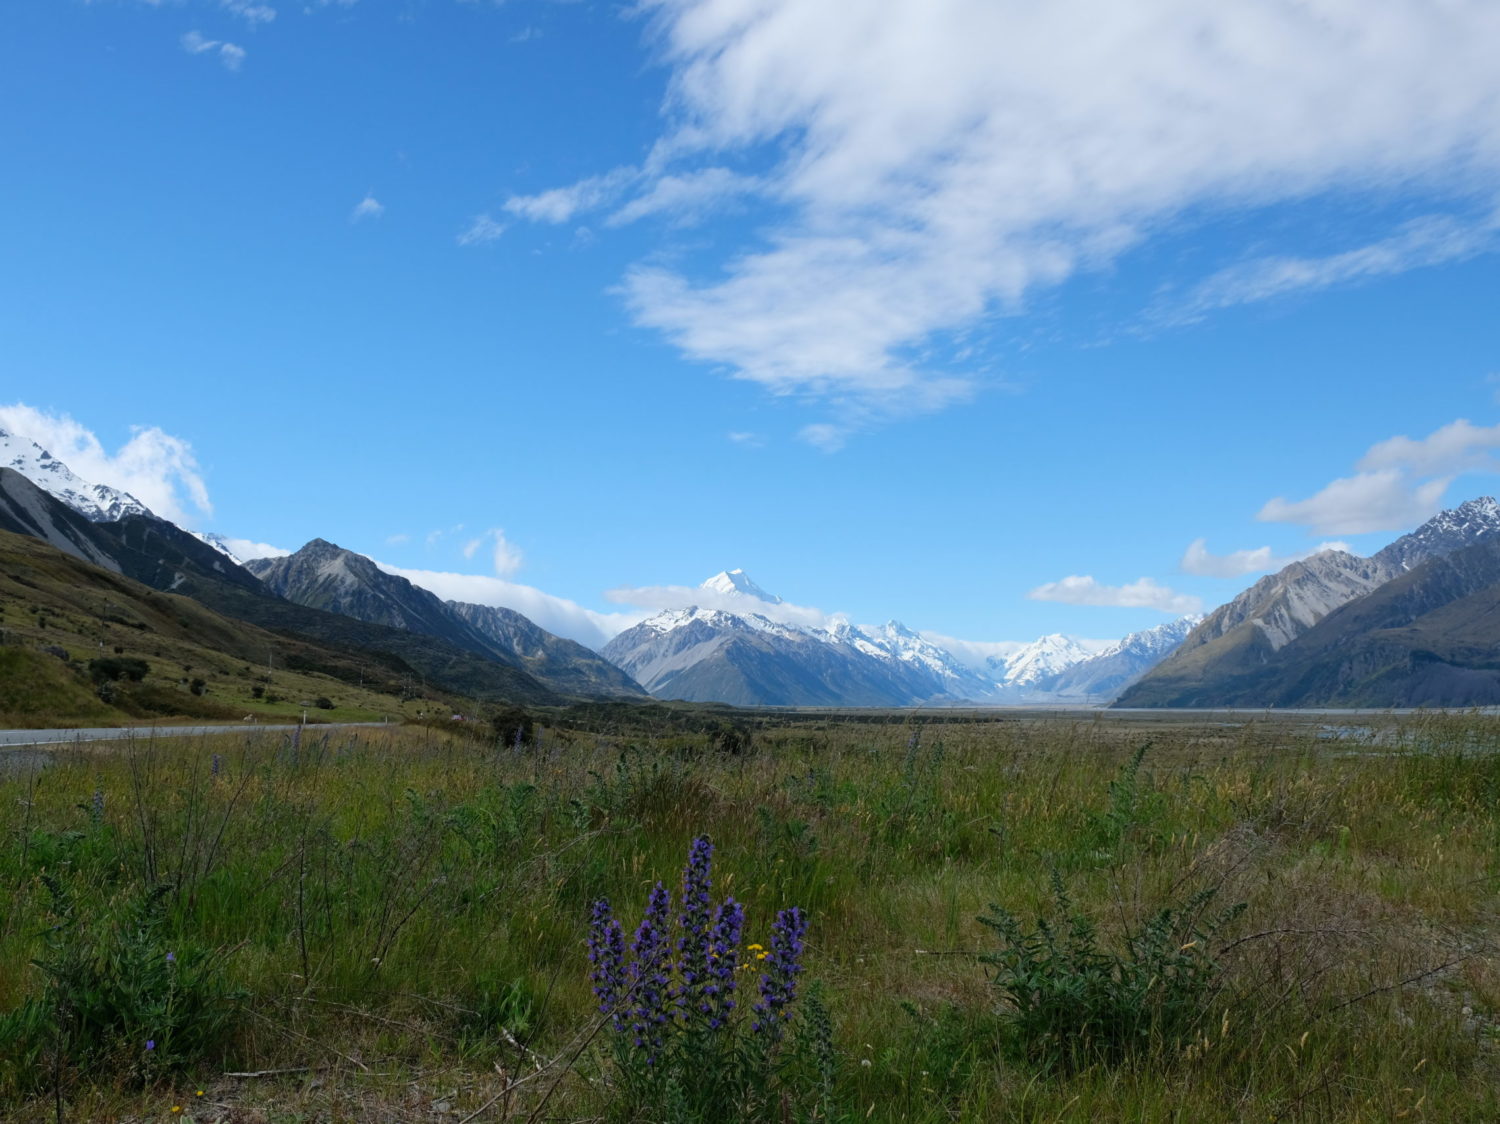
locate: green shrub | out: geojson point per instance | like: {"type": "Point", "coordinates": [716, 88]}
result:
{"type": "Point", "coordinates": [112, 668]}
{"type": "Point", "coordinates": [118, 995]}
{"type": "Point", "coordinates": [1071, 1001]}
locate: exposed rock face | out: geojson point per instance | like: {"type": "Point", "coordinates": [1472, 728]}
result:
{"type": "Point", "coordinates": [324, 576]}
{"type": "Point", "coordinates": [565, 665]}
{"type": "Point", "coordinates": [1228, 652]}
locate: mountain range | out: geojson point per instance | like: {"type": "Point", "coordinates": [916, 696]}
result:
{"type": "Point", "coordinates": [1417, 623]}
{"type": "Point", "coordinates": [745, 656]}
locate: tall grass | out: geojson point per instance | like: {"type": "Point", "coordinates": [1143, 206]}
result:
{"type": "Point", "coordinates": [388, 921]}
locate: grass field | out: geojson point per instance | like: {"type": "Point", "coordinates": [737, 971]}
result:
{"type": "Point", "coordinates": [1258, 922]}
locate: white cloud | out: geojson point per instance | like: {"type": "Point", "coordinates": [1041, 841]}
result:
{"type": "Point", "coordinates": [398, 539]}
{"type": "Point", "coordinates": [248, 10]}
{"type": "Point", "coordinates": [367, 208]}
{"type": "Point", "coordinates": [1142, 594]}
{"type": "Point", "coordinates": [248, 549]}
{"type": "Point", "coordinates": [1354, 505]}
{"type": "Point", "coordinates": [1198, 560]}
{"type": "Point", "coordinates": [561, 203]}
{"type": "Point", "coordinates": [155, 467]}
{"type": "Point", "coordinates": [1455, 448]}
{"type": "Point", "coordinates": [557, 615]}
{"type": "Point", "coordinates": [686, 197]}
{"type": "Point", "coordinates": [935, 161]}
{"type": "Point", "coordinates": [1399, 482]}
{"type": "Point", "coordinates": [1428, 241]}
{"type": "Point", "coordinates": [505, 555]}
{"type": "Point", "coordinates": [481, 231]}
{"type": "Point", "coordinates": [746, 439]}
{"type": "Point", "coordinates": [230, 54]}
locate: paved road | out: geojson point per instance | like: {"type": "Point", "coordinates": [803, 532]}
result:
{"type": "Point", "coordinates": [103, 734]}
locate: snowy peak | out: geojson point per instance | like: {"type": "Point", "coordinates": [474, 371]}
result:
{"type": "Point", "coordinates": [97, 503]}
{"type": "Point", "coordinates": [1041, 659]}
{"type": "Point", "coordinates": [738, 582]}
{"type": "Point", "coordinates": [1470, 522]}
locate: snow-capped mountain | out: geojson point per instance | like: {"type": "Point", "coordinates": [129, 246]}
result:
{"type": "Point", "coordinates": [1104, 675]}
{"type": "Point", "coordinates": [1036, 663]}
{"type": "Point", "coordinates": [738, 582]}
{"type": "Point", "coordinates": [219, 543]}
{"type": "Point", "coordinates": [748, 651]}
{"type": "Point", "coordinates": [96, 502]}
{"type": "Point", "coordinates": [1470, 522]}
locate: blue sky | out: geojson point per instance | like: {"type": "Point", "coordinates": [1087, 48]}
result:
{"type": "Point", "coordinates": [995, 319]}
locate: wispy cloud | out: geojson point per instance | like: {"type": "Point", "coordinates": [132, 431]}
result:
{"type": "Point", "coordinates": [367, 208]}
{"type": "Point", "coordinates": [1199, 561]}
{"type": "Point", "coordinates": [1142, 594]}
{"type": "Point", "coordinates": [157, 468]}
{"type": "Point", "coordinates": [1397, 483]}
{"type": "Point", "coordinates": [932, 165]}
{"type": "Point", "coordinates": [248, 549]}
{"type": "Point", "coordinates": [686, 198]}
{"type": "Point", "coordinates": [481, 231]}
{"type": "Point", "coordinates": [1429, 241]}
{"type": "Point", "coordinates": [560, 204]}
{"type": "Point", "coordinates": [230, 54]}
{"type": "Point", "coordinates": [557, 615]}
{"type": "Point", "coordinates": [505, 555]}
{"type": "Point", "coordinates": [251, 12]}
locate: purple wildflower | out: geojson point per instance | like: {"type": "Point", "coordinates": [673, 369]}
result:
{"type": "Point", "coordinates": [150, 1044]}
{"type": "Point", "coordinates": [693, 944]}
{"type": "Point", "coordinates": [296, 738]}
{"type": "Point", "coordinates": [723, 951]}
{"type": "Point", "coordinates": [778, 984]}
{"type": "Point", "coordinates": [649, 974]}
{"type": "Point", "coordinates": [171, 958]}
{"type": "Point", "coordinates": [607, 955]}
{"type": "Point", "coordinates": [214, 766]}
{"type": "Point", "coordinates": [98, 803]}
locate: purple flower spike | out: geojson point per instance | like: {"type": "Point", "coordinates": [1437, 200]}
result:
{"type": "Point", "coordinates": [171, 958]}
{"type": "Point", "coordinates": [607, 955]}
{"type": "Point", "coordinates": [783, 964]}
{"type": "Point", "coordinates": [693, 944]}
{"type": "Point", "coordinates": [150, 1043]}
{"type": "Point", "coordinates": [649, 974]}
{"type": "Point", "coordinates": [723, 951]}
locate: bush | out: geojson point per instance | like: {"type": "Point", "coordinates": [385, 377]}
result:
{"type": "Point", "coordinates": [1071, 1001]}
{"type": "Point", "coordinates": [113, 668]}
{"type": "Point", "coordinates": [118, 996]}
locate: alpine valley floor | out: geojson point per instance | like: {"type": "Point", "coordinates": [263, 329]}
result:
{"type": "Point", "coordinates": [1250, 918]}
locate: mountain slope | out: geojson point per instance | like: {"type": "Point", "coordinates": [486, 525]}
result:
{"type": "Point", "coordinates": [1102, 676]}
{"type": "Point", "coordinates": [165, 557]}
{"type": "Point", "coordinates": [55, 602]}
{"type": "Point", "coordinates": [564, 665]}
{"type": "Point", "coordinates": [1430, 637]}
{"type": "Point", "coordinates": [709, 655]}
{"type": "Point", "coordinates": [96, 502]}
{"type": "Point", "coordinates": [1245, 635]}
{"type": "Point", "coordinates": [328, 577]}
{"type": "Point", "coordinates": [324, 576]}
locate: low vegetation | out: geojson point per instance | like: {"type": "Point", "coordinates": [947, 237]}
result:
{"type": "Point", "coordinates": [1043, 920]}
